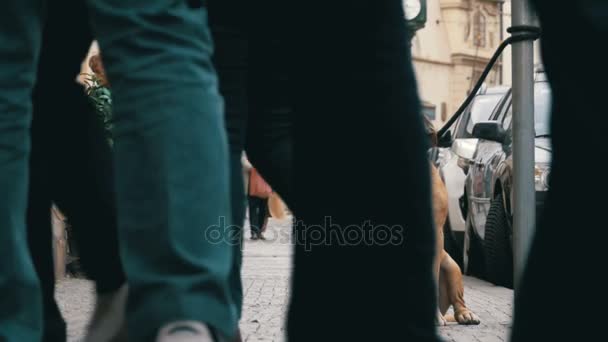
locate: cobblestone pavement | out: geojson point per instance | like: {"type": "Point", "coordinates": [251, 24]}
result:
{"type": "Point", "coordinates": [266, 269]}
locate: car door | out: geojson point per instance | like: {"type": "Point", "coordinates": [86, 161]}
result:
{"type": "Point", "coordinates": [494, 162]}
{"type": "Point", "coordinates": [481, 174]}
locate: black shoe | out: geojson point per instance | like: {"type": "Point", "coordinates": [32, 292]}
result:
{"type": "Point", "coordinates": [261, 237]}
{"type": "Point", "coordinates": [254, 236]}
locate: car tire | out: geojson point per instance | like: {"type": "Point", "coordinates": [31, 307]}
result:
{"type": "Point", "coordinates": [451, 246]}
{"type": "Point", "coordinates": [497, 245]}
{"type": "Point", "coordinates": [474, 264]}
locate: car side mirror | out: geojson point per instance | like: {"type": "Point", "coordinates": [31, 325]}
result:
{"type": "Point", "coordinates": [445, 140]}
{"type": "Point", "coordinates": [490, 130]}
{"type": "Point", "coordinates": [465, 148]}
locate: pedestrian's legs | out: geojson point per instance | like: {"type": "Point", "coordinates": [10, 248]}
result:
{"type": "Point", "coordinates": [21, 304]}
{"type": "Point", "coordinates": [236, 231]}
{"type": "Point", "coordinates": [82, 181]}
{"type": "Point", "coordinates": [231, 61]}
{"type": "Point", "coordinates": [573, 33]}
{"type": "Point", "coordinates": [254, 215]}
{"type": "Point", "coordinates": [264, 215]}
{"type": "Point", "coordinates": [39, 227]}
{"type": "Point", "coordinates": [171, 163]}
{"type": "Point", "coordinates": [362, 178]}
{"type": "Point", "coordinates": [40, 241]}
{"type": "Point", "coordinates": [70, 164]}
{"type": "Point", "coordinates": [270, 126]}
{"type": "Point", "coordinates": [83, 185]}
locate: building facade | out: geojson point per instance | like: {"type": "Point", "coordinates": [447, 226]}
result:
{"type": "Point", "coordinates": [452, 50]}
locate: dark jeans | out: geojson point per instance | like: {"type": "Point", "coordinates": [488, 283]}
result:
{"type": "Point", "coordinates": [258, 214]}
{"type": "Point", "coordinates": [569, 246]}
{"type": "Point", "coordinates": [253, 81]}
{"type": "Point", "coordinates": [334, 126]}
{"type": "Point", "coordinates": [360, 165]}
{"type": "Point", "coordinates": [231, 62]}
{"type": "Point", "coordinates": [171, 163]}
{"type": "Point", "coordinates": [71, 165]}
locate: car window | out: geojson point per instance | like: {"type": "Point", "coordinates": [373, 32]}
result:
{"type": "Point", "coordinates": [500, 108]}
{"type": "Point", "coordinates": [480, 110]}
{"type": "Point", "coordinates": [507, 118]}
{"type": "Point", "coordinates": [461, 124]}
{"type": "Point", "coordinates": [542, 110]}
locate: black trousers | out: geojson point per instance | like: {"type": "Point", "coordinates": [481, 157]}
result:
{"type": "Point", "coordinates": [71, 165]}
{"type": "Point", "coordinates": [334, 125]}
{"type": "Point", "coordinates": [568, 249]}
{"type": "Point", "coordinates": [259, 118]}
{"type": "Point", "coordinates": [258, 213]}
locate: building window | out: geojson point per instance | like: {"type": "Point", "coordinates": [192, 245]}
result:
{"type": "Point", "coordinates": [479, 29]}
{"type": "Point", "coordinates": [475, 76]}
{"type": "Point", "coordinates": [429, 110]}
{"type": "Point", "coordinates": [493, 77]}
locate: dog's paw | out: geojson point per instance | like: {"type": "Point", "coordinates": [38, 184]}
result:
{"type": "Point", "coordinates": [467, 317]}
{"type": "Point", "coordinates": [440, 320]}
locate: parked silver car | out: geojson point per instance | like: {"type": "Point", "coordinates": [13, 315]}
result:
{"type": "Point", "coordinates": [488, 236]}
{"type": "Point", "coordinates": [453, 163]}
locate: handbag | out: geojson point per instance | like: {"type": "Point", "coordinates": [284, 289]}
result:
{"type": "Point", "coordinates": [258, 186]}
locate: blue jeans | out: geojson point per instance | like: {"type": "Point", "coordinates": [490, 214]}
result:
{"type": "Point", "coordinates": [171, 163]}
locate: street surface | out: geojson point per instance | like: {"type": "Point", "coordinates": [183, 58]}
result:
{"type": "Point", "coordinates": [266, 270]}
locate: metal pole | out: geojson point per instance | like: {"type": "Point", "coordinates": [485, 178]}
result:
{"type": "Point", "coordinates": [501, 12]}
{"type": "Point", "coordinates": [524, 215]}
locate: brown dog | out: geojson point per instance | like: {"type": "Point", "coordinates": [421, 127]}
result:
{"type": "Point", "coordinates": [447, 271]}
{"type": "Point", "coordinates": [450, 285]}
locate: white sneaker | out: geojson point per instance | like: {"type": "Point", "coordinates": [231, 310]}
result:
{"type": "Point", "coordinates": [108, 321]}
{"type": "Point", "coordinates": [185, 331]}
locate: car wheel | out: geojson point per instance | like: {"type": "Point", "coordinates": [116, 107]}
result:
{"type": "Point", "coordinates": [473, 253]}
{"type": "Point", "coordinates": [497, 245]}
{"type": "Point", "coordinates": [451, 246]}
